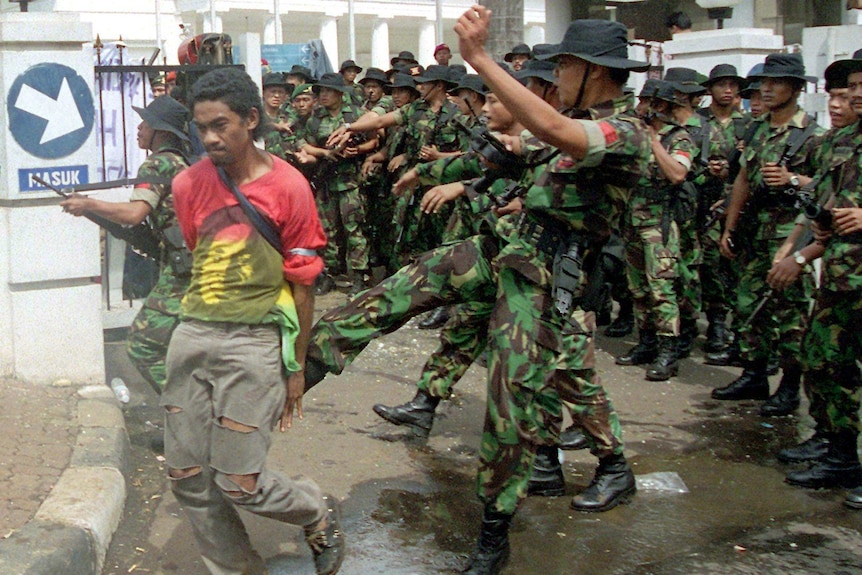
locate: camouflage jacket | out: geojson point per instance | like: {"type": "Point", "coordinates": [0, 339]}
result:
{"type": "Point", "coordinates": [776, 210]}
{"type": "Point", "coordinates": [842, 175]}
{"type": "Point", "coordinates": [383, 106]}
{"type": "Point", "coordinates": [284, 144]}
{"type": "Point", "coordinates": [586, 196]}
{"type": "Point", "coordinates": [650, 198]}
{"type": "Point", "coordinates": [724, 137]}
{"type": "Point", "coordinates": [339, 174]}
{"type": "Point", "coordinates": [423, 127]}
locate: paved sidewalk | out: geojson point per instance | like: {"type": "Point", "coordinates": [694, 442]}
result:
{"type": "Point", "coordinates": [63, 456]}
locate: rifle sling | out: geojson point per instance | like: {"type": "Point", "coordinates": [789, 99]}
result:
{"type": "Point", "coordinates": [258, 220]}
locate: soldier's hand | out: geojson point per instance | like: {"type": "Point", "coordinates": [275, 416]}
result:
{"type": "Point", "coordinates": [295, 383]}
{"type": "Point", "coordinates": [847, 220]}
{"type": "Point", "coordinates": [513, 207]}
{"type": "Point", "coordinates": [724, 246]}
{"type": "Point", "coordinates": [821, 235]}
{"type": "Point", "coordinates": [438, 196]}
{"type": "Point", "coordinates": [408, 180]}
{"type": "Point", "coordinates": [369, 167]}
{"type": "Point", "coordinates": [472, 29]}
{"type": "Point", "coordinates": [350, 152]}
{"type": "Point", "coordinates": [337, 138]}
{"type": "Point", "coordinates": [305, 158]}
{"type": "Point", "coordinates": [775, 175]}
{"type": "Point", "coordinates": [783, 274]}
{"type": "Point", "coordinates": [396, 162]}
{"type": "Point", "coordinates": [283, 127]}
{"type": "Point", "coordinates": [512, 143]}
{"type": "Point", "coordinates": [75, 205]}
{"type": "Point", "coordinates": [429, 153]}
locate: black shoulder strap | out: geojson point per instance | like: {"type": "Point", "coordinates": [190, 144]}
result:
{"type": "Point", "coordinates": [739, 128]}
{"type": "Point", "coordinates": [704, 143]}
{"type": "Point", "coordinates": [703, 112]}
{"type": "Point", "coordinates": [797, 138]}
{"type": "Point", "coordinates": [258, 220]}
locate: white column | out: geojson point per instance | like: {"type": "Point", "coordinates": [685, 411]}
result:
{"type": "Point", "coordinates": [249, 49]}
{"type": "Point", "coordinates": [853, 17]}
{"type": "Point", "coordinates": [534, 34]}
{"type": "Point", "coordinates": [270, 31]}
{"type": "Point", "coordinates": [427, 36]}
{"type": "Point", "coordinates": [329, 37]}
{"type": "Point", "coordinates": [208, 23]}
{"type": "Point", "coordinates": [380, 44]}
{"type": "Point", "coordinates": [558, 14]}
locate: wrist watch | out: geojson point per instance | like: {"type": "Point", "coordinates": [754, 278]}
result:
{"type": "Point", "coordinates": [799, 258]}
{"type": "Point", "coordinates": [794, 180]}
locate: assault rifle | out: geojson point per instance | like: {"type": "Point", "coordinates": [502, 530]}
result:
{"type": "Point", "coordinates": [140, 237]}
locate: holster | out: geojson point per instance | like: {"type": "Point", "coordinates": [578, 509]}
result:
{"type": "Point", "coordinates": [176, 253]}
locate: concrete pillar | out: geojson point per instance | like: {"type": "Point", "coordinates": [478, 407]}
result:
{"type": "Point", "coordinates": [380, 44]}
{"type": "Point", "coordinates": [269, 32]}
{"type": "Point", "coordinates": [427, 37]}
{"type": "Point", "coordinates": [329, 37]}
{"type": "Point", "coordinates": [534, 34]}
{"type": "Point", "coordinates": [249, 50]}
{"type": "Point", "coordinates": [853, 17]}
{"type": "Point", "coordinates": [50, 303]}
{"type": "Point", "coordinates": [558, 15]}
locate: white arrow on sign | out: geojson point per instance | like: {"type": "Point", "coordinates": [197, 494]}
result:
{"type": "Point", "coordinates": [62, 114]}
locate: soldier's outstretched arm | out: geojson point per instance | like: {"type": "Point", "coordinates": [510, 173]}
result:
{"type": "Point", "coordinates": [125, 213]}
{"type": "Point", "coordinates": [545, 122]}
{"type": "Point", "coordinates": [738, 198]}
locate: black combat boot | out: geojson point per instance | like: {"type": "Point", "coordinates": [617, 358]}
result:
{"type": "Point", "coordinates": [727, 356]}
{"type": "Point", "coordinates": [840, 467]}
{"type": "Point", "coordinates": [546, 477]}
{"type": "Point", "coordinates": [752, 384]}
{"type": "Point", "coordinates": [716, 332]}
{"type": "Point", "coordinates": [665, 365]}
{"type": "Point", "coordinates": [785, 400]}
{"type": "Point", "coordinates": [573, 439]}
{"type": "Point", "coordinates": [492, 549]}
{"type": "Point", "coordinates": [644, 352]}
{"type": "Point", "coordinates": [687, 335]}
{"type": "Point", "coordinates": [315, 371]}
{"type": "Point", "coordinates": [814, 448]}
{"type": "Point", "coordinates": [854, 498]}
{"type": "Point", "coordinates": [624, 323]}
{"type": "Point", "coordinates": [435, 319]}
{"type": "Point", "coordinates": [418, 413]}
{"type": "Point", "coordinates": [614, 483]}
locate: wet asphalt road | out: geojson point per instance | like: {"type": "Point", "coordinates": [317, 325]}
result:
{"type": "Point", "coordinates": [409, 507]}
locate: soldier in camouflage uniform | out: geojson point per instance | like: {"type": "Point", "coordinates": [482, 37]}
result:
{"type": "Point", "coordinates": [774, 162]}
{"type": "Point", "coordinates": [652, 241]}
{"type": "Point", "coordinates": [833, 343]}
{"type": "Point", "coordinates": [728, 128]}
{"type": "Point", "coordinates": [336, 180]}
{"type": "Point", "coordinates": [349, 70]}
{"type": "Point", "coordinates": [574, 202]}
{"type": "Point", "coordinates": [287, 137]}
{"type": "Point", "coordinates": [163, 131]}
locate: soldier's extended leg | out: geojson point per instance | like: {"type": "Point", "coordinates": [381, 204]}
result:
{"type": "Point", "coordinates": [352, 216]}
{"type": "Point", "coordinates": [147, 345]}
{"type": "Point", "coordinates": [688, 287]}
{"type": "Point", "coordinates": [716, 305]}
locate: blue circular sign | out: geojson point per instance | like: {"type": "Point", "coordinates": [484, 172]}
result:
{"type": "Point", "coordinates": [50, 110]}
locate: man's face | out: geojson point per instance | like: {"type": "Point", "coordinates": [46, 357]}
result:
{"type": "Point", "coordinates": [295, 80]}
{"type": "Point", "coordinates": [443, 57]}
{"type": "Point", "coordinates": [273, 97]}
{"type": "Point", "coordinates": [329, 98]}
{"type": "Point", "coordinates": [159, 90]}
{"type": "Point", "coordinates": [756, 105]}
{"type": "Point", "coordinates": [303, 104]}
{"type": "Point", "coordinates": [775, 92]}
{"type": "Point", "coordinates": [402, 96]}
{"type": "Point", "coordinates": [225, 135]}
{"type": "Point", "coordinates": [642, 107]}
{"type": "Point", "coordinates": [724, 91]}
{"type": "Point", "coordinates": [570, 75]}
{"type": "Point", "coordinates": [426, 89]}
{"type": "Point", "coordinates": [349, 75]}
{"type": "Point", "coordinates": [518, 61]}
{"type": "Point", "coordinates": [145, 135]}
{"type": "Point", "coordinates": [499, 118]}
{"type": "Point", "coordinates": [460, 99]}
{"type": "Point", "coordinates": [373, 90]}
{"type": "Point", "coordinates": [840, 111]}
{"type": "Point", "coordinates": [854, 91]}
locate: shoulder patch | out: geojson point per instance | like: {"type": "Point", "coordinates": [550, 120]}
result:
{"type": "Point", "coordinates": [609, 132]}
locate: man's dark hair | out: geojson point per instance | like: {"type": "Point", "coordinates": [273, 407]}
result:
{"type": "Point", "coordinates": [619, 76]}
{"type": "Point", "coordinates": [237, 90]}
{"type": "Point", "coordinates": [678, 19]}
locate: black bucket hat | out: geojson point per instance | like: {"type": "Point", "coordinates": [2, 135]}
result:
{"type": "Point", "coordinates": [375, 74]}
{"type": "Point", "coordinates": [599, 42]}
{"type": "Point", "coordinates": [274, 79]}
{"type": "Point", "coordinates": [302, 71]}
{"type": "Point", "coordinates": [435, 73]}
{"type": "Point", "coordinates": [403, 80]}
{"type": "Point", "coordinates": [666, 91]}
{"type": "Point", "coordinates": [685, 80]}
{"type": "Point", "coordinates": [650, 87]}
{"type": "Point", "coordinates": [722, 72]}
{"type": "Point", "coordinates": [405, 55]}
{"type": "Point", "coordinates": [472, 82]}
{"type": "Point", "coordinates": [837, 72]}
{"type": "Point", "coordinates": [347, 64]}
{"type": "Point", "coordinates": [753, 81]}
{"type": "Point", "coordinates": [538, 68]}
{"type": "Point", "coordinates": [167, 115]}
{"type": "Point", "coordinates": [785, 66]}
{"type": "Point", "coordinates": [518, 50]}
{"type": "Point", "coordinates": [333, 81]}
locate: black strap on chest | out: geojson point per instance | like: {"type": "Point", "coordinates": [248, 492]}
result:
{"type": "Point", "coordinates": [261, 223]}
{"type": "Point", "coordinates": [798, 137]}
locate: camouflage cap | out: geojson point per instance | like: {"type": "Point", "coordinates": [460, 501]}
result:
{"type": "Point", "coordinates": [302, 89]}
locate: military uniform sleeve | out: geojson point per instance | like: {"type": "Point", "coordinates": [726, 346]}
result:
{"type": "Point", "coordinates": [150, 192]}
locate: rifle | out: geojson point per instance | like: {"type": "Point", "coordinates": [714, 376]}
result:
{"type": "Point", "coordinates": [715, 214]}
{"type": "Point", "coordinates": [141, 237]}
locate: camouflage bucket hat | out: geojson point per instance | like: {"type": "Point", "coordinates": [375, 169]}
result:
{"type": "Point", "coordinates": [600, 42]}
{"type": "Point", "coordinates": [167, 115]}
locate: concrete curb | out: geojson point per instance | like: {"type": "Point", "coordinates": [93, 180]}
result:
{"type": "Point", "coordinates": [72, 529]}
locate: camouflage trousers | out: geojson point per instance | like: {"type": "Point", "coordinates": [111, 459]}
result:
{"type": "Point", "coordinates": [537, 362]}
{"type": "Point", "coordinates": [688, 272]}
{"type": "Point", "coordinates": [832, 346]}
{"type": "Point", "coordinates": [418, 232]}
{"type": "Point", "coordinates": [379, 208]}
{"type": "Point", "coordinates": [782, 320]}
{"type": "Point", "coordinates": [651, 267]}
{"type": "Point", "coordinates": [342, 214]}
{"type": "Point", "coordinates": [152, 328]}
{"type": "Point", "coordinates": [716, 273]}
